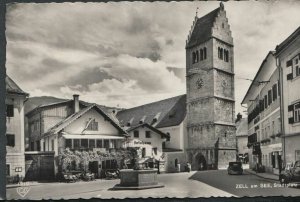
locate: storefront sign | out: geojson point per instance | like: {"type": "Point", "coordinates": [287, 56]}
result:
{"type": "Point", "coordinates": [276, 147]}
{"type": "Point", "coordinates": [135, 142]}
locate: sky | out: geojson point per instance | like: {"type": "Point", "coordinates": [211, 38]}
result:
{"type": "Point", "coordinates": [126, 54]}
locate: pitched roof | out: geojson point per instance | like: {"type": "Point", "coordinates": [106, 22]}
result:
{"type": "Point", "coordinates": [256, 75]}
{"type": "Point", "coordinates": [68, 102]}
{"type": "Point", "coordinates": [12, 87]}
{"type": "Point", "coordinates": [287, 41]}
{"type": "Point", "coordinates": [202, 29]}
{"type": "Point", "coordinates": [64, 123]}
{"type": "Point", "coordinates": [163, 113]}
{"type": "Point", "coordinates": [151, 128]}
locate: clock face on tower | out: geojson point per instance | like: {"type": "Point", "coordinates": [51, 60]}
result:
{"type": "Point", "coordinates": [199, 83]}
{"type": "Point", "coordinates": [224, 83]}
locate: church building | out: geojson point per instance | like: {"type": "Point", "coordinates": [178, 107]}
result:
{"type": "Point", "coordinates": [210, 92]}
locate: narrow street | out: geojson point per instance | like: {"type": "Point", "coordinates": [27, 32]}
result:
{"type": "Point", "coordinates": [194, 184]}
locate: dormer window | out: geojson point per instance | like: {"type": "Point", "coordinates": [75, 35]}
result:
{"type": "Point", "coordinates": [143, 120]}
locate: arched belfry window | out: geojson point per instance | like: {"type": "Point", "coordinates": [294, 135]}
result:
{"type": "Point", "coordinates": [201, 54]}
{"type": "Point", "coordinates": [221, 53]}
{"type": "Point", "coordinates": [204, 53]}
{"type": "Point", "coordinates": [226, 55]}
{"type": "Point", "coordinates": [193, 57]}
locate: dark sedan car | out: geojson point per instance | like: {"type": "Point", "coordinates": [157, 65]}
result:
{"type": "Point", "coordinates": [235, 168]}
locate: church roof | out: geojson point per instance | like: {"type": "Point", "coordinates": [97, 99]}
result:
{"type": "Point", "coordinates": [12, 87]}
{"type": "Point", "coordinates": [202, 29]}
{"type": "Point", "coordinates": [163, 113]}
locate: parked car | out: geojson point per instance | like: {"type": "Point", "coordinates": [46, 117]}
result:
{"type": "Point", "coordinates": [235, 168]}
{"type": "Point", "coordinates": [291, 173]}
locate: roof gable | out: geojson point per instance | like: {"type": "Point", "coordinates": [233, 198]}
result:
{"type": "Point", "coordinates": [12, 87]}
{"type": "Point", "coordinates": [69, 120]}
{"type": "Point", "coordinates": [163, 135]}
{"type": "Point", "coordinates": [201, 29]}
{"type": "Point", "coordinates": [254, 81]}
{"type": "Point", "coordinates": [163, 113]}
{"type": "Point", "coordinates": [287, 41]}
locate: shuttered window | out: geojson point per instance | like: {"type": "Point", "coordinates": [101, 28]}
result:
{"type": "Point", "coordinates": [10, 140]}
{"type": "Point", "coordinates": [10, 110]}
{"type": "Point", "coordinates": [269, 97]}
{"type": "Point", "coordinates": [274, 89]}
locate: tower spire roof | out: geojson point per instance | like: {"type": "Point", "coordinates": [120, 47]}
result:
{"type": "Point", "coordinates": [201, 28]}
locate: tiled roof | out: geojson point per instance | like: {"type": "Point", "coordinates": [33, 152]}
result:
{"type": "Point", "coordinates": [164, 135]}
{"type": "Point", "coordinates": [12, 87]}
{"type": "Point", "coordinates": [202, 29]}
{"type": "Point", "coordinates": [163, 113]}
{"type": "Point", "coordinates": [83, 104]}
{"type": "Point", "coordinates": [242, 127]}
{"type": "Point", "coordinates": [64, 123]}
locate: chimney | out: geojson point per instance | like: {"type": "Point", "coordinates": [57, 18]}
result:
{"type": "Point", "coordinates": [76, 103]}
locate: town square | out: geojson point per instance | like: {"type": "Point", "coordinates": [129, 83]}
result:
{"type": "Point", "coordinates": [163, 99]}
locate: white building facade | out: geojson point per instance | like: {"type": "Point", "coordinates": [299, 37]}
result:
{"type": "Point", "coordinates": [264, 123]}
{"type": "Point", "coordinates": [288, 61]}
{"type": "Point", "coordinates": [15, 158]}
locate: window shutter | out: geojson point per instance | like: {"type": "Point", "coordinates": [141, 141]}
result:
{"type": "Point", "coordinates": [278, 87]}
{"type": "Point", "coordinates": [291, 114]}
{"type": "Point", "coordinates": [291, 108]}
{"type": "Point", "coordinates": [289, 63]}
{"type": "Point", "coordinates": [289, 76]}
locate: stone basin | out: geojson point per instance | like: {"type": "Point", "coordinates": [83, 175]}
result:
{"type": "Point", "coordinates": [138, 179]}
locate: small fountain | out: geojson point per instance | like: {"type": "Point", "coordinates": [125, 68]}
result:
{"type": "Point", "coordinates": [138, 177]}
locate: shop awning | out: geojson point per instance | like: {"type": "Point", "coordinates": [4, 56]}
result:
{"type": "Point", "coordinates": [79, 136]}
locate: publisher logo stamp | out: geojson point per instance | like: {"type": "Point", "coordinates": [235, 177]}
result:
{"type": "Point", "coordinates": [23, 189]}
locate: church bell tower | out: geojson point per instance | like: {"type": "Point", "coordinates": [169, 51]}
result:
{"type": "Point", "coordinates": [210, 92]}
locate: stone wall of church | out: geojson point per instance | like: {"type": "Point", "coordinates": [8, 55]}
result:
{"type": "Point", "coordinates": [203, 136]}
{"type": "Point", "coordinates": [224, 84]}
{"type": "Point", "coordinates": [200, 64]}
{"type": "Point", "coordinates": [224, 111]}
{"type": "Point", "coordinates": [221, 28]}
{"type": "Point", "coordinates": [200, 111]}
{"type": "Point", "coordinates": [220, 63]}
{"type": "Point", "coordinates": [227, 137]}
{"type": "Point", "coordinates": [200, 84]}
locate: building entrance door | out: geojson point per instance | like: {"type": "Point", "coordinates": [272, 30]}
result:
{"type": "Point", "coordinates": [201, 162]}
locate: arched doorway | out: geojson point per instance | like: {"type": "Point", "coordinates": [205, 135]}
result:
{"type": "Point", "coordinates": [201, 163]}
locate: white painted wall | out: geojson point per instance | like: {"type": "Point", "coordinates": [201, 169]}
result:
{"type": "Point", "coordinates": [154, 142]}
{"type": "Point", "coordinates": [178, 135]}
{"type": "Point", "coordinates": [105, 127]}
